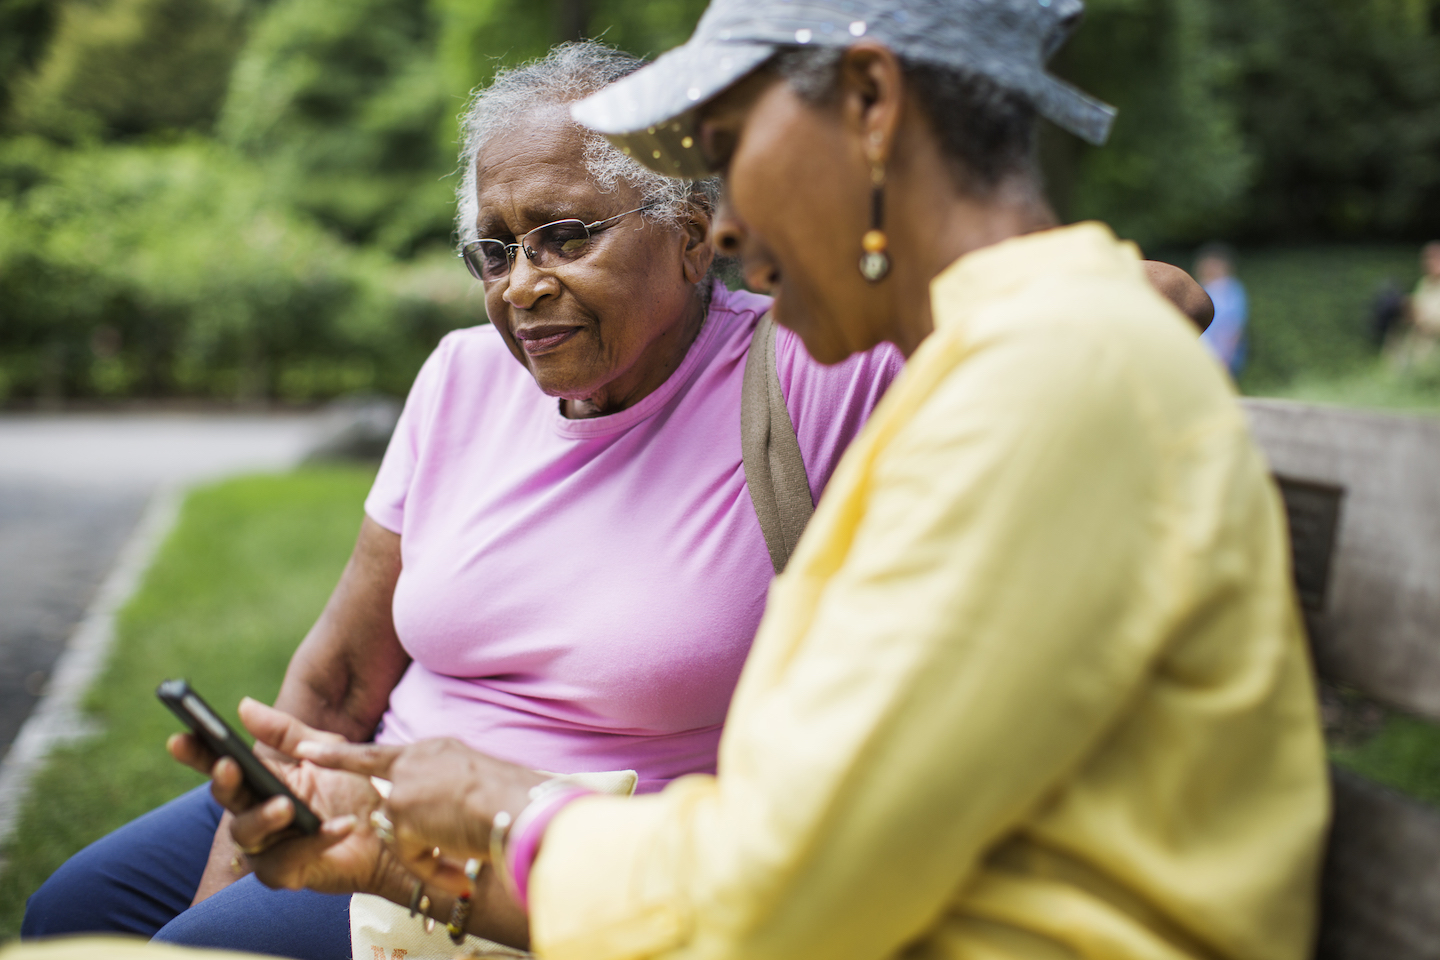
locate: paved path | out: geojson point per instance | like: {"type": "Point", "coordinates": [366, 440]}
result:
{"type": "Point", "coordinates": [73, 487]}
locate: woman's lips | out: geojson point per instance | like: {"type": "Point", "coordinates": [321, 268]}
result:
{"type": "Point", "coordinates": [538, 340]}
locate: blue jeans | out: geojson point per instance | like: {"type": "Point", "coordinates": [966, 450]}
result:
{"type": "Point", "coordinates": [141, 879]}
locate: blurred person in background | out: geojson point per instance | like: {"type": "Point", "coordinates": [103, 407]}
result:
{"type": "Point", "coordinates": [1387, 312]}
{"type": "Point", "coordinates": [1215, 267]}
{"type": "Point", "coordinates": [1034, 683]}
{"type": "Point", "coordinates": [1423, 311]}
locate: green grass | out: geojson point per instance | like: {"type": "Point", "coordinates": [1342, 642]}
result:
{"type": "Point", "coordinates": [230, 594]}
{"type": "Point", "coordinates": [1376, 385]}
{"type": "Point", "coordinates": [1310, 310]}
{"type": "Point", "coordinates": [1405, 755]}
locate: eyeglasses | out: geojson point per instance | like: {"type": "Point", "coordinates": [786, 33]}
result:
{"type": "Point", "coordinates": [547, 246]}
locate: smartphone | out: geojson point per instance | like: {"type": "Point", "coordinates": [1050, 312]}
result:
{"type": "Point", "coordinates": [223, 741]}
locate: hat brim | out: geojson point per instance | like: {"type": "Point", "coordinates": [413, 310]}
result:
{"type": "Point", "coordinates": [1073, 109]}
{"type": "Point", "coordinates": [651, 114]}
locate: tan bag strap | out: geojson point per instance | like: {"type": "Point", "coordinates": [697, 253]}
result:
{"type": "Point", "coordinates": [774, 468]}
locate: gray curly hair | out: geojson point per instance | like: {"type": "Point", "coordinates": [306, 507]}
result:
{"type": "Point", "coordinates": [567, 73]}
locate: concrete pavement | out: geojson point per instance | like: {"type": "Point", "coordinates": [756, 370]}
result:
{"type": "Point", "coordinates": [73, 487]}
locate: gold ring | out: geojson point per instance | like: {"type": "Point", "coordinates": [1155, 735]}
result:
{"type": "Point", "coordinates": [382, 826]}
{"type": "Point", "coordinates": [254, 851]}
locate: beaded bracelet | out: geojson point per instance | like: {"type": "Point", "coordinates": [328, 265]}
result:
{"type": "Point", "coordinates": [460, 912]}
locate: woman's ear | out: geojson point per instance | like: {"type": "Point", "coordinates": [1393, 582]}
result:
{"type": "Point", "coordinates": [872, 92]}
{"type": "Point", "coordinates": [699, 251]}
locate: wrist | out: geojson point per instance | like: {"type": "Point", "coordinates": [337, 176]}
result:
{"type": "Point", "coordinates": [515, 842]}
{"type": "Point", "coordinates": [389, 878]}
{"type": "Point", "coordinates": [492, 795]}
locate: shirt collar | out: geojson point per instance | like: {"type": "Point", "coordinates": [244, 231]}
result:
{"type": "Point", "coordinates": [992, 272]}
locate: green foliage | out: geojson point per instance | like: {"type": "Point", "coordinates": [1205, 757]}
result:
{"type": "Point", "coordinates": [172, 269]}
{"type": "Point", "coordinates": [1340, 103]}
{"type": "Point", "coordinates": [231, 593]}
{"type": "Point", "coordinates": [130, 67]}
{"type": "Point", "coordinates": [25, 30]}
{"type": "Point", "coordinates": [1404, 755]}
{"type": "Point", "coordinates": [1175, 168]}
{"type": "Point", "coordinates": [342, 104]}
{"type": "Point", "coordinates": [646, 29]}
{"type": "Point", "coordinates": [237, 197]}
{"type": "Point", "coordinates": [1258, 119]}
{"type": "Point", "coordinates": [1310, 310]}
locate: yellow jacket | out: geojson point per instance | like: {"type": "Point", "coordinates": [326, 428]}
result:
{"type": "Point", "coordinates": [1032, 686]}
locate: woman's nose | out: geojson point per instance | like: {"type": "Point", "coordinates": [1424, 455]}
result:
{"type": "Point", "coordinates": [729, 230]}
{"type": "Point", "coordinates": [528, 284]}
{"type": "Point", "coordinates": [761, 274]}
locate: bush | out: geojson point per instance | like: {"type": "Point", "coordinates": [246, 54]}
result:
{"type": "Point", "coordinates": [171, 269]}
{"type": "Point", "coordinates": [130, 67]}
{"type": "Point", "coordinates": [343, 106]}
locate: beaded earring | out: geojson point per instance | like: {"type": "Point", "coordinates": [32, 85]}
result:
{"type": "Point", "coordinates": [875, 262]}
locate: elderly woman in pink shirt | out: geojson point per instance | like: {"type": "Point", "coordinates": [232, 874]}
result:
{"type": "Point", "coordinates": [559, 563]}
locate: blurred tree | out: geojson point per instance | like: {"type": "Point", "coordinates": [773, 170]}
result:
{"type": "Point", "coordinates": [479, 36]}
{"type": "Point", "coordinates": [119, 68]}
{"type": "Point", "coordinates": [25, 30]}
{"type": "Point", "coordinates": [1340, 103]}
{"type": "Point", "coordinates": [646, 29]}
{"type": "Point", "coordinates": [1176, 167]}
{"type": "Point", "coordinates": [342, 102]}
{"type": "Point", "coordinates": [159, 269]}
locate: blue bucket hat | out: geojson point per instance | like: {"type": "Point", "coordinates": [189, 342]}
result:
{"type": "Point", "coordinates": [651, 114]}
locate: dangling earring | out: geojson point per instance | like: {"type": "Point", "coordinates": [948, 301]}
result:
{"type": "Point", "coordinates": [875, 262]}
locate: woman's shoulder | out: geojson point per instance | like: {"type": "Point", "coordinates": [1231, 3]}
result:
{"type": "Point", "coordinates": [465, 357]}
{"type": "Point", "coordinates": [796, 368]}
{"type": "Point", "coordinates": [868, 374]}
{"type": "Point", "coordinates": [480, 344]}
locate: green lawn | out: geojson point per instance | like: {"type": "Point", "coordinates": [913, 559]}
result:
{"type": "Point", "coordinates": [240, 580]}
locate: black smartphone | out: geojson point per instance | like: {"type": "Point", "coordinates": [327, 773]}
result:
{"type": "Point", "coordinates": [186, 704]}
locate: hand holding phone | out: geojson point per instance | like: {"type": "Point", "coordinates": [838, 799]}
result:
{"type": "Point", "coordinates": [223, 741]}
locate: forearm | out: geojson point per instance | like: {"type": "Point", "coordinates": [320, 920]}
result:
{"type": "Point", "coordinates": [332, 696]}
{"type": "Point", "coordinates": [342, 674]}
{"type": "Point", "coordinates": [224, 866]}
{"type": "Point", "coordinates": [1180, 288]}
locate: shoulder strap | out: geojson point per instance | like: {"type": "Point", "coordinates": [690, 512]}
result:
{"type": "Point", "coordinates": [774, 468]}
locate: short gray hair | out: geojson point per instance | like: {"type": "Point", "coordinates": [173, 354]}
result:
{"type": "Point", "coordinates": [567, 73]}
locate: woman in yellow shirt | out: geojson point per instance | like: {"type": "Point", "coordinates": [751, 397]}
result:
{"type": "Point", "coordinates": [1034, 683]}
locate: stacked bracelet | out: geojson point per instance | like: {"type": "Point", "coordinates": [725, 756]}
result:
{"type": "Point", "coordinates": [520, 842]}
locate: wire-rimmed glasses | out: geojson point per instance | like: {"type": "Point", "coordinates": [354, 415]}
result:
{"type": "Point", "coordinates": [547, 246]}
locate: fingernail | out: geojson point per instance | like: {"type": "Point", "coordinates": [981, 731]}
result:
{"type": "Point", "coordinates": [307, 748]}
{"type": "Point", "coordinates": [340, 825]}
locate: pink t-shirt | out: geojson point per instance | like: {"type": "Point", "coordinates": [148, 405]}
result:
{"type": "Point", "coordinates": [579, 595]}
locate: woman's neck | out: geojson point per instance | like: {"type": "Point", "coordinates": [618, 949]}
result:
{"type": "Point", "coordinates": [633, 386]}
{"type": "Point", "coordinates": [928, 233]}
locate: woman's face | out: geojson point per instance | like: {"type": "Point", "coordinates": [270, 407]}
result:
{"type": "Point", "coordinates": [795, 211]}
{"type": "Point", "coordinates": [611, 326]}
